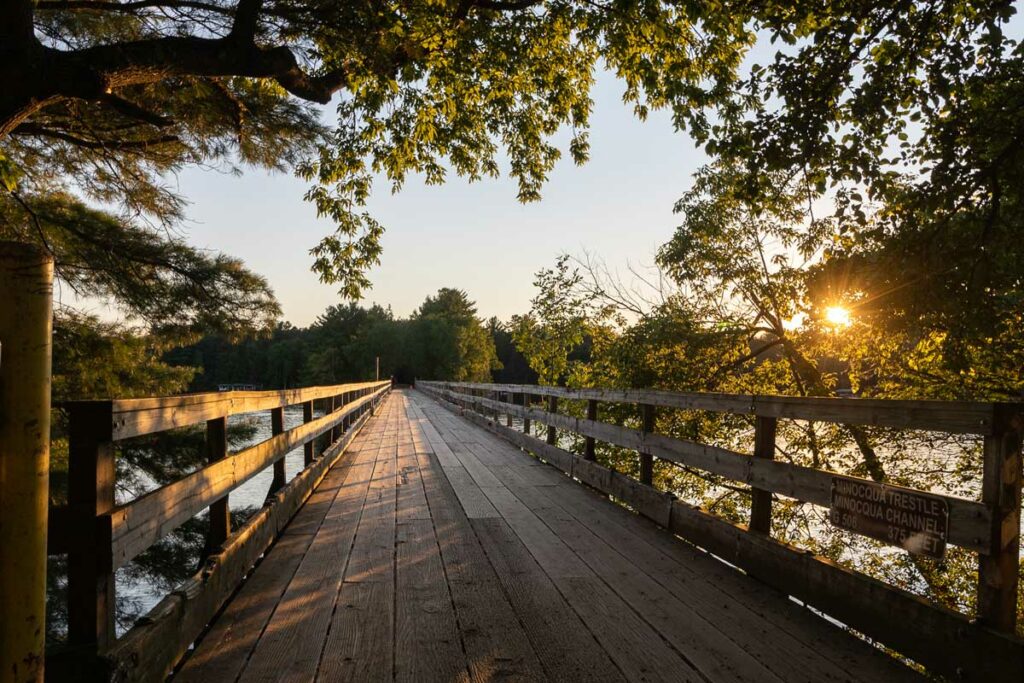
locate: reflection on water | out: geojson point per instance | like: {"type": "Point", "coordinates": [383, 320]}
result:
{"type": "Point", "coordinates": [140, 593]}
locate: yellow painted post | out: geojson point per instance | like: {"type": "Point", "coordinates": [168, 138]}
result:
{"type": "Point", "coordinates": [26, 293]}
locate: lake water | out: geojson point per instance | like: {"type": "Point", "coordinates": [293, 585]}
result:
{"type": "Point", "coordinates": [143, 595]}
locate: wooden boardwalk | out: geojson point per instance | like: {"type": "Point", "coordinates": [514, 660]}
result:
{"type": "Point", "coordinates": [435, 551]}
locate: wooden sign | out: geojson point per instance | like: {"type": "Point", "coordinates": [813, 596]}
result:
{"type": "Point", "coordinates": [914, 521]}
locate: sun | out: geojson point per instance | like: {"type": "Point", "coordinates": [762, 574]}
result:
{"type": "Point", "coordinates": [837, 316]}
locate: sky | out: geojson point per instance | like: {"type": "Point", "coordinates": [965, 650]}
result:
{"type": "Point", "coordinates": [472, 236]}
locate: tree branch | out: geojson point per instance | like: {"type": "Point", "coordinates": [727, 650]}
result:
{"type": "Point", "coordinates": [128, 7]}
{"type": "Point", "coordinates": [247, 15]}
{"type": "Point", "coordinates": [134, 111]}
{"type": "Point", "coordinates": [41, 131]}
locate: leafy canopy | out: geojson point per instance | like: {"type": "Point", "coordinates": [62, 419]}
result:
{"type": "Point", "coordinates": [100, 100]}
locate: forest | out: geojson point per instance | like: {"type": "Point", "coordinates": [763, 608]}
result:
{"type": "Point", "coordinates": [856, 230]}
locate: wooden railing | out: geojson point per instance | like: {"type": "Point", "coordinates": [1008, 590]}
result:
{"type": "Point", "coordinates": [99, 536]}
{"type": "Point", "coordinates": [978, 647]}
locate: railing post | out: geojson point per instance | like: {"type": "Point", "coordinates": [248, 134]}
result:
{"type": "Point", "coordinates": [26, 294]}
{"type": "Point", "coordinates": [277, 427]}
{"type": "Point", "coordinates": [508, 415]}
{"type": "Point", "coordinates": [646, 459]}
{"type": "Point", "coordinates": [220, 512]}
{"type": "Point", "coordinates": [552, 408]}
{"type": "Point", "coordinates": [527, 400]}
{"type": "Point", "coordinates": [91, 475]}
{"type": "Point", "coordinates": [335, 431]}
{"type": "Point", "coordinates": [589, 445]}
{"type": "Point", "coordinates": [999, 571]}
{"type": "Point", "coordinates": [307, 449]}
{"type": "Point", "coordinates": [761, 500]}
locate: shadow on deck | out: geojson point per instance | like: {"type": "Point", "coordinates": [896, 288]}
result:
{"type": "Point", "coordinates": [435, 551]}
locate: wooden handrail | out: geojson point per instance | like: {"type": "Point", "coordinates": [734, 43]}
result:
{"type": "Point", "coordinates": [139, 416]}
{"type": "Point", "coordinates": [100, 536]}
{"type": "Point", "coordinates": [968, 520]}
{"type": "Point", "coordinates": [952, 417]}
{"type": "Point", "coordinates": [947, 642]}
{"type": "Point", "coordinates": [142, 522]}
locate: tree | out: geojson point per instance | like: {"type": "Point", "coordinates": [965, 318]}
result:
{"type": "Point", "coordinates": [896, 127]}
{"type": "Point", "coordinates": [515, 369]}
{"type": "Point", "coordinates": [450, 342]}
{"type": "Point", "coordinates": [101, 98]}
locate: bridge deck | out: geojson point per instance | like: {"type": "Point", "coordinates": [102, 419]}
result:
{"type": "Point", "coordinates": [438, 552]}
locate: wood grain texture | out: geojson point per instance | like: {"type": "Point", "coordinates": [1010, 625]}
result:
{"type": "Point", "coordinates": [556, 583]}
{"type": "Point", "coordinates": [969, 521]}
{"type": "Point", "coordinates": [961, 417]}
{"type": "Point", "coordinates": [947, 642]}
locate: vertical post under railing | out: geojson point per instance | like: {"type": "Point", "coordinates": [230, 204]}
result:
{"type": "Point", "coordinates": [552, 408]}
{"type": "Point", "coordinates": [26, 295]}
{"type": "Point", "coordinates": [277, 427]}
{"type": "Point", "coordinates": [646, 459]}
{"type": "Point", "coordinates": [527, 400]}
{"type": "Point", "coordinates": [335, 431]}
{"type": "Point", "coordinates": [508, 415]}
{"type": "Point", "coordinates": [760, 499]}
{"type": "Point", "coordinates": [999, 571]}
{"type": "Point", "coordinates": [307, 449]}
{"type": "Point", "coordinates": [220, 512]}
{"type": "Point", "coordinates": [590, 445]}
{"type": "Point", "coordinates": [91, 475]}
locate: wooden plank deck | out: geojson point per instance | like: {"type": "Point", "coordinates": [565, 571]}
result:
{"type": "Point", "coordinates": [435, 551]}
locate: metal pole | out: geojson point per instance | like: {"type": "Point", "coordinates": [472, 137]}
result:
{"type": "Point", "coordinates": [378, 368]}
{"type": "Point", "coordinates": [26, 294]}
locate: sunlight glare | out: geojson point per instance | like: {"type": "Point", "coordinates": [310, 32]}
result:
{"type": "Point", "coordinates": [837, 316]}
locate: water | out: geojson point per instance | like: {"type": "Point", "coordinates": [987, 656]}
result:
{"type": "Point", "coordinates": [139, 593]}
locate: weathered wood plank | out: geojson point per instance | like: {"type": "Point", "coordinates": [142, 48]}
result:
{"type": "Point", "coordinates": [945, 641]}
{"type": "Point", "coordinates": [707, 649]}
{"type": "Point", "coordinates": [969, 521]}
{"type": "Point", "coordinates": [766, 640]}
{"type": "Point", "coordinates": [566, 647]}
{"type": "Point", "coordinates": [290, 646]}
{"type": "Point", "coordinates": [372, 556]}
{"type": "Point", "coordinates": [152, 647]}
{"type": "Point", "coordinates": [960, 417]}
{"type": "Point", "coordinates": [359, 646]}
{"type": "Point", "coordinates": [145, 520]}
{"type": "Point", "coordinates": [224, 650]}
{"type": "Point", "coordinates": [427, 642]}
{"type": "Point", "coordinates": [792, 641]}
{"type": "Point", "coordinates": [136, 417]}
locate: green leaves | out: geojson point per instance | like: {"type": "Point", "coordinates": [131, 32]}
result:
{"type": "Point", "coordinates": [9, 173]}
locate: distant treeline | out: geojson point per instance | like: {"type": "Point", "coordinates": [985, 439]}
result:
{"type": "Point", "coordinates": [442, 339]}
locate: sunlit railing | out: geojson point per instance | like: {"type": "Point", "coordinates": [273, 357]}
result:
{"type": "Point", "coordinates": [947, 642]}
{"type": "Point", "coordinates": [99, 536]}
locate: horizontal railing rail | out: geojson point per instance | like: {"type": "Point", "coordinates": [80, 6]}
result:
{"type": "Point", "coordinates": [100, 536]}
{"type": "Point", "coordinates": [139, 416]}
{"type": "Point", "coordinates": [952, 417]}
{"type": "Point", "coordinates": [945, 641]}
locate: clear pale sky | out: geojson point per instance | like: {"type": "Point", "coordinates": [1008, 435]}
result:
{"type": "Point", "coordinates": [476, 237]}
